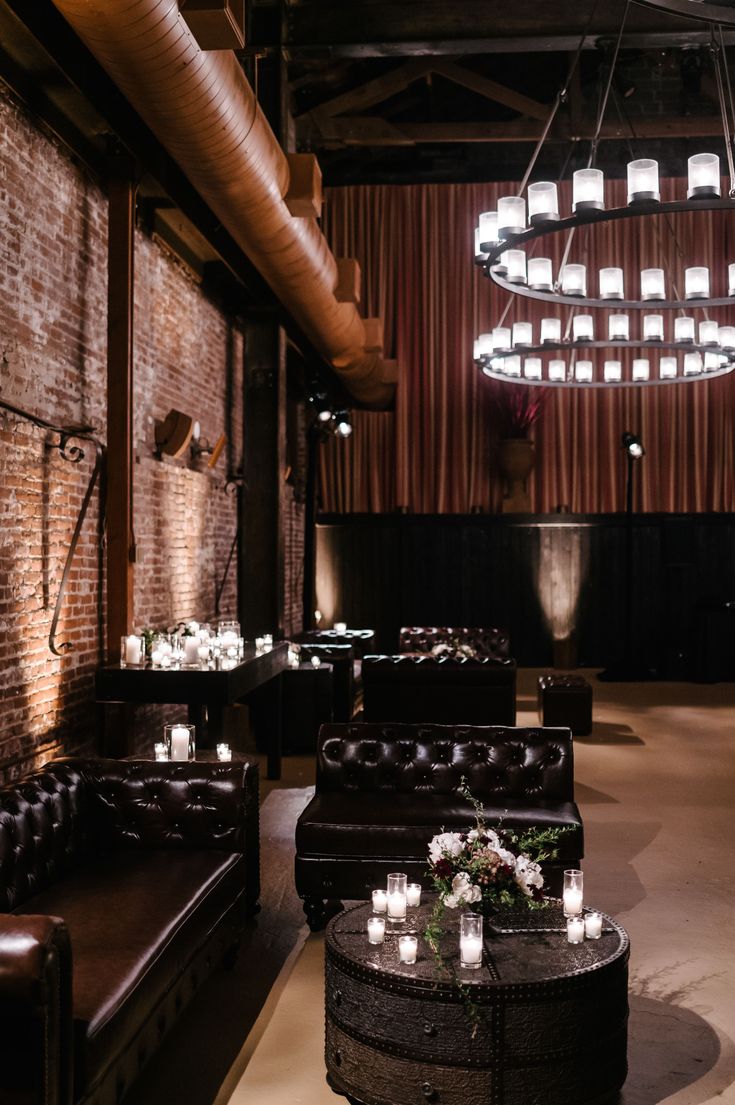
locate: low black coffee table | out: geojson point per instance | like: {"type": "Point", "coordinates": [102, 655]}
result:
{"type": "Point", "coordinates": [552, 1026]}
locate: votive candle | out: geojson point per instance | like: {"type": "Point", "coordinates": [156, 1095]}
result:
{"type": "Point", "coordinates": [575, 930]}
{"type": "Point", "coordinates": [413, 894]}
{"type": "Point", "coordinates": [376, 930]}
{"type": "Point", "coordinates": [407, 948]}
{"type": "Point", "coordinates": [380, 901]}
{"type": "Point", "coordinates": [593, 925]}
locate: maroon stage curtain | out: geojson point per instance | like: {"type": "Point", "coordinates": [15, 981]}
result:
{"type": "Point", "coordinates": [436, 452]}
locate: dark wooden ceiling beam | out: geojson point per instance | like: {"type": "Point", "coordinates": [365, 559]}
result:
{"type": "Point", "coordinates": [378, 89]}
{"type": "Point", "coordinates": [491, 90]}
{"type": "Point", "coordinates": [371, 131]}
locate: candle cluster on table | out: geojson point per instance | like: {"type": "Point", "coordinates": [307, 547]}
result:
{"type": "Point", "coordinates": [180, 741]}
{"type": "Point", "coordinates": [389, 907]}
{"type": "Point", "coordinates": [191, 645]}
{"type": "Point", "coordinates": [264, 643]}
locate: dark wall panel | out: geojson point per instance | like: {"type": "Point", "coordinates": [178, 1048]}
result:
{"type": "Point", "coordinates": [540, 577]}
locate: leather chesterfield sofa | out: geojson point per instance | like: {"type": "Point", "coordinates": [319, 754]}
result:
{"type": "Point", "coordinates": [445, 690]}
{"type": "Point", "coordinates": [494, 643]}
{"type": "Point", "coordinates": [122, 884]}
{"type": "Point", "coordinates": [383, 791]}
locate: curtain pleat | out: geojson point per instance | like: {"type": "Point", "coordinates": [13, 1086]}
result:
{"type": "Point", "coordinates": [436, 452]}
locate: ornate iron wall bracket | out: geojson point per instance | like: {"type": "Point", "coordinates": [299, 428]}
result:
{"type": "Point", "coordinates": [70, 450]}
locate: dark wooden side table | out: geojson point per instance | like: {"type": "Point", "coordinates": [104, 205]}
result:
{"type": "Point", "coordinates": [550, 1027]}
{"type": "Point", "coordinates": [208, 688]}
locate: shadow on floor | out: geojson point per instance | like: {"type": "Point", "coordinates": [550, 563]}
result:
{"type": "Point", "coordinates": [671, 1048]}
{"type": "Point", "coordinates": [611, 876]}
{"type": "Point", "coordinates": [592, 797]}
{"type": "Point", "coordinates": [606, 732]}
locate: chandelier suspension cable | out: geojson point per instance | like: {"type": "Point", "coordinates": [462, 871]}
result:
{"type": "Point", "coordinates": [723, 55]}
{"type": "Point", "coordinates": [717, 58]}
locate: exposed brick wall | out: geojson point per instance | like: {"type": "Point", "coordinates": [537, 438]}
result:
{"type": "Point", "coordinates": [52, 362]}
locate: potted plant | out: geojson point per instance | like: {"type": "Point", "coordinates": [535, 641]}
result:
{"type": "Point", "coordinates": [516, 409]}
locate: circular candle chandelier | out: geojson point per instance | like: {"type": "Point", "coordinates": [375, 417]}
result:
{"type": "Point", "coordinates": [687, 352]}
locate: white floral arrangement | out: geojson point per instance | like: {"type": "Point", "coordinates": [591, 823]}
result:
{"type": "Point", "coordinates": [455, 650]}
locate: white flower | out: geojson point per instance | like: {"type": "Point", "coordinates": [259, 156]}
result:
{"type": "Point", "coordinates": [528, 875]}
{"type": "Point", "coordinates": [506, 857]}
{"type": "Point", "coordinates": [491, 838]}
{"type": "Point", "coordinates": [462, 891]}
{"type": "Point", "coordinates": [445, 844]}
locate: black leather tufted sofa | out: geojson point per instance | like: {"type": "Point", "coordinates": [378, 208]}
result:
{"type": "Point", "coordinates": [486, 642]}
{"type": "Point", "coordinates": [382, 792]}
{"type": "Point", "coordinates": [445, 690]}
{"type": "Point", "coordinates": [122, 884]}
{"type": "Point", "coordinates": [362, 640]}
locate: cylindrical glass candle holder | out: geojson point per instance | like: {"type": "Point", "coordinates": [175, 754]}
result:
{"type": "Point", "coordinates": [376, 930]}
{"type": "Point", "coordinates": [593, 925]}
{"type": "Point", "coordinates": [511, 216]}
{"type": "Point", "coordinates": [501, 339]}
{"type": "Point", "coordinates": [653, 327]}
{"type": "Point", "coordinates": [684, 328]}
{"type": "Point", "coordinates": [708, 332]}
{"type": "Point", "coordinates": [713, 361]}
{"type": "Point", "coordinates": [588, 190]}
{"type": "Point", "coordinates": [612, 372]}
{"type": "Point", "coordinates": [611, 284]}
{"type": "Point", "coordinates": [407, 949]}
{"type": "Point", "coordinates": [413, 894]}
{"type": "Point", "coordinates": [574, 280]}
{"type": "Point", "coordinates": [583, 328]}
{"type": "Point", "coordinates": [667, 368]}
{"type": "Point", "coordinates": [641, 369]}
{"type": "Point", "coordinates": [543, 202]}
{"type": "Point", "coordinates": [731, 279]}
{"type": "Point", "coordinates": [160, 751]}
{"type": "Point", "coordinates": [483, 346]}
{"type": "Point", "coordinates": [653, 284]}
{"type": "Point", "coordinates": [470, 941]}
{"type": "Point", "coordinates": [180, 741]}
{"type": "Point", "coordinates": [583, 372]}
{"type": "Point", "coordinates": [532, 368]}
{"type": "Point", "coordinates": [550, 330]}
{"type": "Point", "coordinates": [161, 650]}
{"type": "Point", "coordinates": [511, 366]}
{"type": "Point", "coordinates": [727, 337]}
{"type": "Point", "coordinates": [692, 364]}
{"type": "Point", "coordinates": [132, 650]}
{"type": "Point", "coordinates": [703, 172]}
{"type": "Point", "coordinates": [501, 265]}
{"type": "Point", "coordinates": [229, 634]}
{"type": "Point", "coordinates": [191, 650]}
{"type": "Point", "coordinates": [479, 254]}
{"type": "Point", "coordinates": [515, 263]}
{"type": "Point", "coordinates": [488, 230]}
{"type": "Point", "coordinates": [643, 180]}
{"type": "Point", "coordinates": [575, 930]}
{"type": "Point", "coordinates": [522, 333]}
{"type": "Point", "coordinates": [573, 892]}
{"type": "Point", "coordinates": [557, 371]}
{"type": "Point", "coordinates": [380, 901]}
{"type": "Point", "coordinates": [396, 900]}
{"type": "Point", "coordinates": [618, 327]}
{"type": "Point", "coordinates": [540, 274]}
{"type": "Point", "coordinates": [696, 282]}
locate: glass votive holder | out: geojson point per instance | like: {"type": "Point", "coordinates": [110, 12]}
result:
{"type": "Point", "coordinates": [667, 368]}
{"type": "Point", "coordinates": [161, 650]}
{"type": "Point", "coordinates": [703, 176]}
{"type": "Point", "coordinates": [653, 327]}
{"type": "Point", "coordinates": [618, 327]}
{"type": "Point", "coordinates": [557, 371]}
{"type": "Point", "coordinates": [641, 369]}
{"type": "Point", "coordinates": [573, 892]}
{"type": "Point", "coordinates": [708, 332]}
{"type": "Point", "coordinates": [727, 337]}
{"type": "Point", "coordinates": [407, 949]}
{"type": "Point", "coordinates": [543, 202]}
{"type": "Point", "coordinates": [224, 752]}
{"type": "Point", "coordinates": [574, 280]}
{"type": "Point", "coordinates": [511, 215]}
{"type": "Point", "coordinates": [533, 368]}
{"type": "Point", "coordinates": [180, 741]}
{"type": "Point", "coordinates": [653, 284]}
{"type": "Point", "coordinates": [340, 627]}
{"type": "Point", "coordinates": [515, 264]}
{"type": "Point", "coordinates": [132, 650]}
{"type": "Point", "coordinates": [588, 190]}
{"type": "Point", "coordinates": [316, 662]}
{"type": "Point", "coordinates": [540, 274]}
{"type": "Point", "coordinates": [593, 925]}
{"type": "Point", "coordinates": [501, 339]}
{"type": "Point", "coordinates": [413, 894]}
{"type": "Point", "coordinates": [470, 941]}
{"type": "Point", "coordinates": [522, 333]}
{"type": "Point", "coordinates": [488, 228]}
{"type": "Point", "coordinates": [575, 930]}
{"type": "Point", "coordinates": [611, 284]}
{"type": "Point", "coordinates": [380, 901]}
{"type": "Point", "coordinates": [259, 643]}
{"type": "Point", "coordinates": [692, 364]}
{"type": "Point", "coordinates": [160, 751]}
{"type": "Point", "coordinates": [267, 640]}
{"type": "Point", "coordinates": [696, 282]}
{"type": "Point", "coordinates": [396, 900]}
{"type": "Point", "coordinates": [190, 645]}
{"type": "Point", "coordinates": [480, 255]}
{"type": "Point", "coordinates": [228, 633]}
{"type": "Point", "coordinates": [376, 930]}
{"type": "Point", "coordinates": [643, 180]}
{"type": "Point", "coordinates": [550, 330]}
{"type": "Point", "coordinates": [203, 653]}
{"type": "Point", "coordinates": [583, 372]}
{"type": "Point", "coordinates": [731, 279]}
{"type": "Point", "coordinates": [583, 328]}
{"type": "Point", "coordinates": [612, 372]}
{"type": "Point", "coordinates": [684, 328]}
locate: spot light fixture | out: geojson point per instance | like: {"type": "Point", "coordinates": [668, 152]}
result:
{"type": "Point", "coordinates": [633, 445]}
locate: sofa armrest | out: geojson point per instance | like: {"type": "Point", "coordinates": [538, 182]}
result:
{"type": "Point", "coordinates": [35, 1011]}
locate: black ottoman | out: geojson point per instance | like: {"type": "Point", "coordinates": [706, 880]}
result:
{"type": "Point", "coordinates": [565, 700]}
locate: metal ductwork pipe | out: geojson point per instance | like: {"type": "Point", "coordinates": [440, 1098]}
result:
{"type": "Point", "coordinates": [203, 110]}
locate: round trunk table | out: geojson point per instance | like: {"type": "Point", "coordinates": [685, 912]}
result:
{"type": "Point", "coordinates": [549, 1026]}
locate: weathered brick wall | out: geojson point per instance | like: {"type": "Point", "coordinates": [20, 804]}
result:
{"type": "Point", "coordinates": [52, 362]}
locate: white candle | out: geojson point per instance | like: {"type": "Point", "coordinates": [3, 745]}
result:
{"type": "Point", "coordinates": [413, 894]}
{"type": "Point", "coordinates": [316, 662]}
{"type": "Point", "coordinates": [160, 751]}
{"type": "Point", "coordinates": [156, 657]}
{"type": "Point", "coordinates": [132, 650]}
{"type": "Point", "coordinates": [407, 947]}
{"type": "Point", "coordinates": [166, 647]}
{"type": "Point", "coordinates": [575, 930]}
{"type": "Point", "coordinates": [593, 926]}
{"type": "Point", "coordinates": [180, 744]}
{"type": "Point", "coordinates": [397, 906]}
{"type": "Point", "coordinates": [202, 652]}
{"type": "Point", "coordinates": [191, 650]}
{"type": "Point", "coordinates": [267, 640]}
{"type": "Point", "coordinates": [229, 639]}
{"type": "Point", "coordinates": [470, 949]}
{"type": "Point", "coordinates": [340, 627]}
{"type": "Point", "coordinates": [224, 752]}
{"type": "Point", "coordinates": [376, 930]}
{"type": "Point", "coordinates": [380, 901]}
{"type": "Point", "coordinates": [572, 902]}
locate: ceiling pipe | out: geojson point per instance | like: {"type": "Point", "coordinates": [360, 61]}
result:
{"type": "Point", "coordinates": [202, 109]}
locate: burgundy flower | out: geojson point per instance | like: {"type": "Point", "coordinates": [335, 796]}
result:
{"type": "Point", "coordinates": [443, 869]}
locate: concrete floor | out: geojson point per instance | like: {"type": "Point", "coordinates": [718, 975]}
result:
{"type": "Point", "coordinates": [655, 786]}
